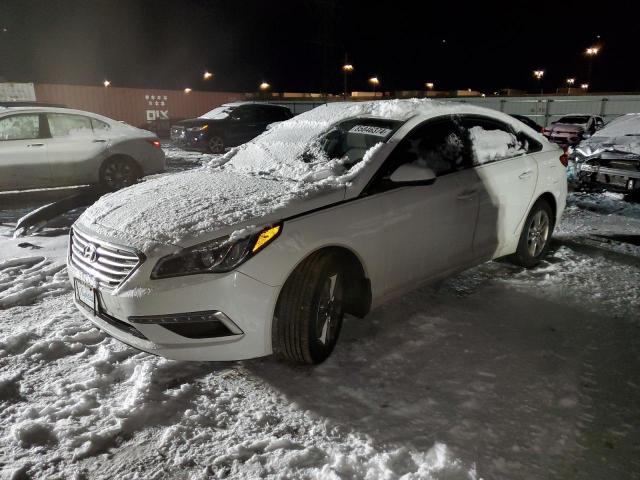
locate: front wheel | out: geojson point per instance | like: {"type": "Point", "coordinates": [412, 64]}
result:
{"type": "Point", "coordinates": [535, 237]}
{"type": "Point", "coordinates": [309, 311]}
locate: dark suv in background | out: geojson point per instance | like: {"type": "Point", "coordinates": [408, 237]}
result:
{"type": "Point", "coordinates": [228, 125]}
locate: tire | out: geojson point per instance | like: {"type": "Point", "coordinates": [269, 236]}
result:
{"type": "Point", "coordinates": [535, 237]}
{"type": "Point", "coordinates": [119, 172]}
{"type": "Point", "coordinates": [216, 144]}
{"type": "Point", "coordinates": [309, 312]}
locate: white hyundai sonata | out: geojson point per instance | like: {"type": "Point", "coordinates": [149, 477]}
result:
{"type": "Point", "coordinates": [330, 213]}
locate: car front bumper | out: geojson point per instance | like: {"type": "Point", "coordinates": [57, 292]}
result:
{"type": "Point", "coordinates": [247, 302]}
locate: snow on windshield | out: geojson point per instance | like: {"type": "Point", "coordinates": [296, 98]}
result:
{"type": "Point", "coordinates": [218, 113]}
{"type": "Point", "coordinates": [491, 145]}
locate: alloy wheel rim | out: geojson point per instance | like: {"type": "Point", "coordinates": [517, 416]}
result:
{"type": "Point", "coordinates": [118, 174]}
{"type": "Point", "coordinates": [538, 233]}
{"type": "Point", "coordinates": [215, 144]}
{"type": "Point", "coordinates": [329, 310]}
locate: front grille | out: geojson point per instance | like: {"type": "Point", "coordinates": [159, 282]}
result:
{"type": "Point", "coordinates": [108, 264]}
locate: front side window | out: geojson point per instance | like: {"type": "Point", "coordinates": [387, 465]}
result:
{"type": "Point", "coordinates": [440, 145]}
{"type": "Point", "coordinates": [20, 127]}
{"type": "Point", "coordinates": [492, 140]}
{"type": "Point", "coordinates": [65, 125]}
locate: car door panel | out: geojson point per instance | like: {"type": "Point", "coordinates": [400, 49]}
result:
{"type": "Point", "coordinates": [23, 161]}
{"type": "Point", "coordinates": [74, 153]}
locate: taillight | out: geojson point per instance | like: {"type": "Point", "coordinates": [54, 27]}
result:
{"type": "Point", "coordinates": [155, 143]}
{"type": "Point", "coordinates": [564, 158]}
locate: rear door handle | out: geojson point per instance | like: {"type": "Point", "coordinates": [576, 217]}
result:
{"type": "Point", "coordinates": [36, 145]}
{"type": "Point", "coordinates": [467, 194]}
{"type": "Point", "coordinates": [526, 174]}
{"type": "Point", "coordinates": [99, 141]}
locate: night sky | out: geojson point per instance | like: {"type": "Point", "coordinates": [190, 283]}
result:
{"type": "Point", "coordinates": [299, 46]}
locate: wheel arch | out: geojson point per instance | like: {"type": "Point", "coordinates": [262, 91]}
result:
{"type": "Point", "coordinates": [551, 200]}
{"type": "Point", "coordinates": [358, 295]}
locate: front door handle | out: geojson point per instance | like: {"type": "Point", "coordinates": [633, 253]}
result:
{"type": "Point", "coordinates": [526, 174]}
{"type": "Point", "coordinates": [36, 145]}
{"type": "Point", "coordinates": [99, 141]}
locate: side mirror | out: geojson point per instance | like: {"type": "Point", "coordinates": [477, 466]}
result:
{"type": "Point", "coordinates": [413, 174]}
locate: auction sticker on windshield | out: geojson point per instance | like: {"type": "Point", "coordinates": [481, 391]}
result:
{"type": "Point", "coordinates": [86, 295]}
{"type": "Point", "coordinates": [371, 130]}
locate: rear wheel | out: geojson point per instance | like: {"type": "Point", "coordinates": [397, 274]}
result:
{"type": "Point", "coordinates": [216, 144]}
{"type": "Point", "coordinates": [535, 237]}
{"type": "Point", "coordinates": [309, 312]}
{"type": "Point", "coordinates": [119, 172]}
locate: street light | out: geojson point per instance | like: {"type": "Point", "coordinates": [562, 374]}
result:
{"type": "Point", "coordinates": [584, 86]}
{"type": "Point", "coordinates": [374, 83]}
{"type": "Point", "coordinates": [539, 74]}
{"type": "Point", "coordinates": [347, 69]}
{"type": "Point", "coordinates": [106, 83]}
{"type": "Point", "coordinates": [187, 90]}
{"type": "Point", "coordinates": [591, 52]}
{"type": "Point", "coordinates": [207, 75]}
{"type": "Point", "coordinates": [571, 81]}
{"type": "Point", "coordinates": [429, 85]}
{"type": "Point", "coordinates": [264, 86]}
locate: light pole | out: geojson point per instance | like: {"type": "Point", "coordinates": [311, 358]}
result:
{"type": "Point", "coordinates": [374, 83]}
{"type": "Point", "coordinates": [264, 89]}
{"type": "Point", "coordinates": [347, 69]}
{"type": "Point", "coordinates": [584, 86]}
{"type": "Point", "coordinates": [207, 75]}
{"type": "Point", "coordinates": [590, 53]}
{"type": "Point", "coordinates": [429, 86]}
{"type": "Point", "coordinates": [539, 74]}
{"type": "Point", "coordinates": [570, 82]}
{"type": "Point", "coordinates": [106, 83]}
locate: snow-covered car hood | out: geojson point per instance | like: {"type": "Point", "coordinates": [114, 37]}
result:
{"type": "Point", "coordinates": [199, 205]}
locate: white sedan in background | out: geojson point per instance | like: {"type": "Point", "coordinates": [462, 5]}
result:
{"type": "Point", "coordinates": [43, 147]}
{"type": "Point", "coordinates": [332, 212]}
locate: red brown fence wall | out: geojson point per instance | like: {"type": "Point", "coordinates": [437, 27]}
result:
{"type": "Point", "coordinates": [136, 106]}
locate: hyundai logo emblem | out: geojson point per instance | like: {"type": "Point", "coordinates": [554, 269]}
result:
{"type": "Point", "coordinates": [90, 252]}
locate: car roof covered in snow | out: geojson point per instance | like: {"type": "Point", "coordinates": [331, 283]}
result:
{"type": "Point", "coordinates": [624, 125]}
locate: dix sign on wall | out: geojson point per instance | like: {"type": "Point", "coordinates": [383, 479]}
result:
{"type": "Point", "coordinates": [158, 113]}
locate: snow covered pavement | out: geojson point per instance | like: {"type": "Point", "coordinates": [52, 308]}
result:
{"type": "Point", "coordinates": [498, 373]}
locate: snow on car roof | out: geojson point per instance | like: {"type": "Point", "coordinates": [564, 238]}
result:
{"type": "Point", "coordinates": [253, 181]}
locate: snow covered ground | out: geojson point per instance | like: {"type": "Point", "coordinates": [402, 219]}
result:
{"type": "Point", "coordinates": [498, 373]}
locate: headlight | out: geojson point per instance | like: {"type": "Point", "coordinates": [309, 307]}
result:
{"type": "Point", "coordinates": [217, 256]}
{"type": "Point", "coordinates": [198, 129]}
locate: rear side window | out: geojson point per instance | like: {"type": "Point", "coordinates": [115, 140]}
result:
{"type": "Point", "coordinates": [99, 125]}
{"type": "Point", "coordinates": [492, 140]}
{"type": "Point", "coordinates": [20, 127]}
{"type": "Point", "coordinates": [65, 125]}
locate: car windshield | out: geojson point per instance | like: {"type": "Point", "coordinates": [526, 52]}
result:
{"type": "Point", "coordinates": [218, 113]}
{"type": "Point", "coordinates": [574, 119]}
{"type": "Point", "coordinates": [350, 140]}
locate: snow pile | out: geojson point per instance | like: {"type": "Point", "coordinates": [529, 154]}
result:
{"type": "Point", "coordinates": [491, 145]}
{"type": "Point", "coordinates": [621, 134]}
{"type": "Point", "coordinates": [196, 420]}
{"type": "Point", "coordinates": [27, 279]}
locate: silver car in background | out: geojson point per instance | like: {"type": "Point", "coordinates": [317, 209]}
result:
{"type": "Point", "coordinates": [42, 147]}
